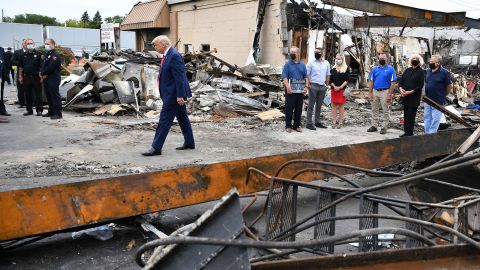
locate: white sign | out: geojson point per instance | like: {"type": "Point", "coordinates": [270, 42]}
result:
{"type": "Point", "coordinates": [107, 33]}
{"type": "Point", "coordinates": [468, 60]}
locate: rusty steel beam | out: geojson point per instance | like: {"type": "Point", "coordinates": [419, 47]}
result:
{"type": "Point", "coordinates": [389, 21]}
{"type": "Point", "coordinates": [439, 107]}
{"type": "Point", "coordinates": [34, 211]}
{"type": "Point", "coordinates": [390, 9]}
{"type": "Point", "coordinates": [459, 257]}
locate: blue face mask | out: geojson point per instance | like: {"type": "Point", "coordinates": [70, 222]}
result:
{"type": "Point", "coordinates": [30, 46]}
{"type": "Point", "coordinates": [47, 48]}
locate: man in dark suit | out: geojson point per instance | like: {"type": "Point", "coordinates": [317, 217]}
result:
{"type": "Point", "coordinates": [174, 91]}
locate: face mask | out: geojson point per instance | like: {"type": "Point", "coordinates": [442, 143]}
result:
{"type": "Point", "coordinates": [293, 56]}
{"type": "Point", "coordinates": [47, 48]}
{"type": "Point", "coordinates": [415, 63]}
{"type": "Point", "coordinates": [382, 62]}
{"type": "Point", "coordinates": [432, 65]}
{"type": "Point", "coordinates": [30, 46]}
{"type": "Point", "coordinates": [338, 62]}
{"type": "Point", "coordinates": [318, 55]}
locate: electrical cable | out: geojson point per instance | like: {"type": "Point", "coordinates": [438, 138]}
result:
{"type": "Point", "coordinates": [380, 216]}
{"type": "Point", "coordinates": [426, 172]}
{"type": "Point", "coordinates": [273, 244]}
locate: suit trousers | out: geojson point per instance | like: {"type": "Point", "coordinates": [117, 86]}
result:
{"type": "Point", "coordinates": [316, 94]}
{"type": "Point", "coordinates": [168, 113]}
{"type": "Point", "coordinates": [33, 90]}
{"type": "Point", "coordinates": [409, 114]}
{"type": "Point", "coordinates": [293, 109]}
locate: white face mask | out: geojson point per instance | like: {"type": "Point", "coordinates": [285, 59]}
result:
{"type": "Point", "coordinates": [338, 62]}
{"type": "Point", "coordinates": [47, 47]}
{"type": "Point", "coordinates": [30, 46]}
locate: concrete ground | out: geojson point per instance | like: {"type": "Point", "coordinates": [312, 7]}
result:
{"type": "Point", "coordinates": [36, 151]}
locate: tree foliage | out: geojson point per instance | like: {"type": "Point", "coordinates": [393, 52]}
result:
{"type": "Point", "coordinates": [36, 19]}
{"type": "Point", "coordinates": [7, 19]}
{"type": "Point", "coordinates": [115, 19]}
{"type": "Point", "coordinates": [96, 21]}
{"type": "Point", "coordinates": [85, 17]}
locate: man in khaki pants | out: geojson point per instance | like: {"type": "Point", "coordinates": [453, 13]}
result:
{"type": "Point", "coordinates": [381, 83]}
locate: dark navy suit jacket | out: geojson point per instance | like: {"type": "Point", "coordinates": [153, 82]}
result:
{"type": "Point", "coordinates": [173, 78]}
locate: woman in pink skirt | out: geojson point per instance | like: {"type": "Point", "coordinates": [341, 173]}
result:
{"type": "Point", "coordinates": [338, 82]}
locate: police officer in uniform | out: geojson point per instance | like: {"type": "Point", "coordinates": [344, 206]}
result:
{"type": "Point", "coordinates": [50, 76]}
{"type": "Point", "coordinates": [30, 79]}
{"type": "Point", "coordinates": [17, 56]}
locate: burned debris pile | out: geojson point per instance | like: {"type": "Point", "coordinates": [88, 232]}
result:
{"type": "Point", "coordinates": [126, 82]}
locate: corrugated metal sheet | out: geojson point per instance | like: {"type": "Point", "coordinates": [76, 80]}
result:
{"type": "Point", "coordinates": [145, 15]}
{"type": "Point", "coordinates": [11, 34]}
{"type": "Point", "coordinates": [74, 38]}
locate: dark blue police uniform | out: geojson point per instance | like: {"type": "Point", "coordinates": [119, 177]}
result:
{"type": "Point", "coordinates": [50, 71]}
{"type": "Point", "coordinates": [30, 64]}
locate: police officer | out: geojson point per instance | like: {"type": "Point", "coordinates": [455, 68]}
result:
{"type": "Point", "coordinates": [50, 76]}
{"type": "Point", "coordinates": [3, 111]}
{"type": "Point", "coordinates": [30, 79]}
{"type": "Point", "coordinates": [17, 56]}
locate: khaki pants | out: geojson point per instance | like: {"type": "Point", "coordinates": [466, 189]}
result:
{"type": "Point", "coordinates": [380, 99]}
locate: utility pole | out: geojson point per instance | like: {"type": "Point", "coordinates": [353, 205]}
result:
{"type": "Point", "coordinates": [2, 14]}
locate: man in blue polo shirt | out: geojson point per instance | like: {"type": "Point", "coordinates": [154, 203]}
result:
{"type": "Point", "coordinates": [296, 83]}
{"type": "Point", "coordinates": [381, 83]}
{"type": "Point", "coordinates": [437, 85]}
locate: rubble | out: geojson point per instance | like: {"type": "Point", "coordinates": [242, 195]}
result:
{"type": "Point", "coordinates": [126, 82]}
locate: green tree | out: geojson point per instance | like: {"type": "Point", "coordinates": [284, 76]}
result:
{"type": "Point", "coordinates": [115, 19]}
{"type": "Point", "coordinates": [7, 19]}
{"type": "Point", "coordinates": [75, 23]}
{"type": "Point", "coordinates": [35, 19]}
{"type": "Point", "coordinates": [96, 21]}
{"type": "Point", "coordinates": [85, 17]}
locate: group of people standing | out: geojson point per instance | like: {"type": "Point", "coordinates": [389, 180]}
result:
{"type": "Point", "coordinates": [435, 79]}
{"type": "Point", "coordinates": [316, 77]}
{"type": "Point", "coordinates": [34, 69]}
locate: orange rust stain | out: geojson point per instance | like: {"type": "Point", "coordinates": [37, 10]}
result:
{"type": "Point", "coordinates": [40, 210]}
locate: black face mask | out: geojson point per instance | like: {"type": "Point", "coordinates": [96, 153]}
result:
{"type": "Point", "coordinates": [293, 56]}
{"type": "Point", "coordinates": [382, 62]}
{"type": "Point", "coordinates": [432, 65]}
{"type": "Point", "coordinates": [318, 55]}
{"type": "Point", "coordinates": [415, 63]}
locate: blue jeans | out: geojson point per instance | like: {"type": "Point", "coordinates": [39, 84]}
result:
{"type": "Point", "coordinates": [432, 119]}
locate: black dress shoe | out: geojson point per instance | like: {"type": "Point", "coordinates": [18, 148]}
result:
{"type": "Point", "coordinates": [320, 125]}
{"type": "Point", "coordinates": [152, 152]}
{"type": "Point", "coordinates": [5, 113]}
{"type": "Point", "coordinates": [28, 113]}
{"type": "Point", "coordinates": [185, 147]}
{"type": "Point", "coordinates": [55, 117]}
{"type": "Point", "coordinates": [405, 135]}
{"type": "Point", "coordinates": [39, 114]}
{"type": "Point", "coordinates": [311, 127]}
{"type": "Point", "coordinates": [46, 115]}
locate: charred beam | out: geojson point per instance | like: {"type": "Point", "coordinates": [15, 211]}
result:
{"type": "Point", "coordinates": [390, 9]}
{"type": "Point", "coordinates": [35, 211]}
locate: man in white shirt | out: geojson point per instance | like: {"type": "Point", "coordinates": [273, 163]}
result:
{"type": "Point", "coordinates": [319, 75]}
